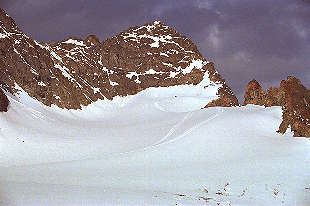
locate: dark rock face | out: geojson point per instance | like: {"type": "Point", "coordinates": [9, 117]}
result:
{"type": "Point", "coordinates": [77, 72]}
{"type": "Point", "coordinates": [4, 102]}
{"type": "Point", "coordinates": [254, 94]}
{"type": "Point", "coordinates": [294, 99]}
{"type": "Point", "coordinates": [296, 109]}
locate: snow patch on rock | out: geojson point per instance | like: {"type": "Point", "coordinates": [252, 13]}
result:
{"type": "Point", "coordinates": [64, 71]}
{"type": "Point", "coordinates": [2, 36]}
{"type": "Point", "coordinates": [76, 42]}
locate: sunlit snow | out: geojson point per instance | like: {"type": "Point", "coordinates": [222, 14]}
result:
{"type": "Point", "coordinates": [154, 148]}
{"type": "Point", "coordinates": [56, 56]}
{"type": "Point", "coordinates": [2, 36]}
{"type": "Point", "coordinates": [64, 71]}
{"type": "Point", "coordinates": [73, 41]}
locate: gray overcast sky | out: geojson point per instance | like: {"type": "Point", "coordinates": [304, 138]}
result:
{"type": "Point", "coordinates": [263, 39]}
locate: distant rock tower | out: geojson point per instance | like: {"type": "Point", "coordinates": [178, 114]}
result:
{"type": "Point", "coordinates": [294, 99]}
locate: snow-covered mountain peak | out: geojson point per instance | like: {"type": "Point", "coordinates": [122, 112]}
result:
{"type": "Point", "coordinates": [7, 25]}
{"type": "Point", "coordinates": [141, 137]}
{"type": "Point", "coordinates": [74, 72]}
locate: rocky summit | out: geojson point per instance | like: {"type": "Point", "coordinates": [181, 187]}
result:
{"type": "Point", "coordinates": [76, 72]}
{"type": "Point", "coordinates": [254, 94]}
{"type": "Point", "coordinates": [292, 96]}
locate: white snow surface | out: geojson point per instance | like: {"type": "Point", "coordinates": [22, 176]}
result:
{"type": "Point", "coordinates": [154, 148]}
{"type": "Point", "coordinates": [64, 70]}
{"type": "Point", "coordinates": [157, 40]}
{"type": "Point", "coordinates": [56, 56]}
{"type": "Point", "coordinates": [4, 35]}
{"type": "Point", "coordinates": [76, 42]}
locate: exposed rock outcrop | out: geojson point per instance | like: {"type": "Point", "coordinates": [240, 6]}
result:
{"type": "Point", "coordinates": [4, 102]}
{"type": "Point", "coordinates": [254, 94]}
{"type": "Point", "coordinates": [76, 72]}
{"type": "Point", "coordinates": [294, 99]}
{"type": "Point", "coordinates": [296, 108]}
{"type": "Point", "coordinates": [227, 97]}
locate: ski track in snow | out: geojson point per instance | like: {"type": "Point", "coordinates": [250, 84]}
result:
{"type": "Point", "coordinates": [173, 129]}
{"type": "Point", "coordinates": [188, 131]}
{"type": "Point", "coordinates": [167, 138]}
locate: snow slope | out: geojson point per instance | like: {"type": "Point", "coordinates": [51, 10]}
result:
{"type": "Point", "coordinates": [155, 148]}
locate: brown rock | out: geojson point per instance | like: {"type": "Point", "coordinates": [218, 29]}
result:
{"type": "Point", "coordinates": [254, 94]}
{"type": "Point", "coordinates": [294, 99]}
{"type": "Point", "coordinates": [296, 109]}
{"type": "Point", "coordinates": [227, 97]}
{"type": "Point", "coordinates": [275, 97]}
{"type": "Point", "coordinates": [76, 72]}
{"type": "Point", "coordinates": [93, 39]}
{"type": "Point", "coordinates": [4, 102]}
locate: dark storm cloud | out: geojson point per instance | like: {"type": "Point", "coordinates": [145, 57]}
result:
{"type": "Point", "coordinates": [52, 20]}
{"type": "Point", "coordinates": [266, 40]}
{"type": "Point", "coordinates": [4, 3]}
{"type": "Point", "coordinates": [263, 40]}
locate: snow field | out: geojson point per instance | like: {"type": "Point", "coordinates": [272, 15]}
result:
{"type": "Point", "coordinates": [155, 148]}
